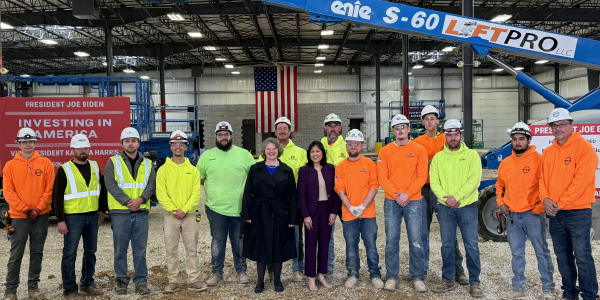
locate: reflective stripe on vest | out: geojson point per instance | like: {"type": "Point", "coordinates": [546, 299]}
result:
{"type": "Point", "coordinates": [122, 183]}
{"type": "Point", "coordinates": [74, 194]}
{"type": "Point", "coordinates": [132, 187]}
{"type": "Point", "coordinates": [80, 197]}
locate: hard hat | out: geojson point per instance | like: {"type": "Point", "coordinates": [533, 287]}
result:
{"type": "Point", "coordinates": [282, 120]}
{"type": "Point", "coordinates": [332, 118]}
{"type": "Point", "coordinates": [130, 132]}
{"type": "Point", "coordinates": [399, 119]}
{"type": "Point", "coordinates": [452, 125]}
{"type": "Point", "coordinates": [521, 128]}
{"type": "Point", "coordinates": [429, 109]}
{"type": "Point", "coordinates": [26, 134]}
{"type": "Point", "coordinates": [559, 114]}
{"type": "Point", "coordinates": [355, 135]}
{"type": "Point", "coordinates": [178, 136]}
{"type": "Point", "coordinates": [79, 141]}
{"type": "Point", "coordinates": [223, 126]}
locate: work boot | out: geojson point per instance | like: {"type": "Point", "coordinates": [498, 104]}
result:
{"type": "Point", "coordinates": [197, 286]}
{"type": "Point", "coordinates": [73, 296]}
{"type": "Point", "coordinates": [121, 288]}
{"type": "Point", "coordinates": [92, 291]}
{"type": "Point", "coordinates": [420, 286]}
{"type": "Point", "coordinates": [10, 296]}
{"type": "Point", "coordinates": [35, 294]}
{"type": "Point", "coordinates": [390, 285]}
{"type": "Point", "coordinates": [444, 287]}
{"type": "Point", "coordinates": [298, 277]}
{"type": "Point", "coordinates": [513, 295]}
{"type": "Point", "coordinates": [142, 289]}
{"type": "Point", "coordinates": [461, 278]}
{"type": "Point", "coordinates": [377, 283]}
{"type": "Point", "coordinates": [475, 291]}
{"type": "Point", "coordinates": [351, 282]}
{"type": "Point", "coordinates": [243, 278]}
{"type": "Point", "coordinates": [214, 279]}
{"type": "Point", "coordinates": [172, 288]}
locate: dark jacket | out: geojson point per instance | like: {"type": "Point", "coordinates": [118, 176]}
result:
{"type": "Point", "coordinates": [308, 189]}
{"type": "Point", "coordinates": [271, 203]}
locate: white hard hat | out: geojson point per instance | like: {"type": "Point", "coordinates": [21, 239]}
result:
{"type": "Point", "coordinates": [26, 134]}
{"type": "Point", "coordinates": [282, 120]}
{"type": "Point", "coordinates": [399, 119]}
{"type": "Point", "coordinates": [130, 132]}
{"type": "Point", "coordinates": [429, 109]}
{"type": "Point", "coordinates": [355, 135]}
{"type": "Point", "coordinates": [452, 125]}
{"type": "Point", "coordinates": [223, 126]}
{"type": "Point", "coordinates": [332, 118]}
{"type": "Point", "coordinates": [178, 136]}
{"type": "Point", "coordinates": [521, 128]}
{"type": "Point", "coordinates": [559, 114]}
{"type": "Point", "coordinates": [80, 141]}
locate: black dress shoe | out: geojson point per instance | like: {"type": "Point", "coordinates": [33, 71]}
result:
{"type": "Point", "coordinates": [259, 288]}
{"type": "Point", "coordinates": [279, 287]}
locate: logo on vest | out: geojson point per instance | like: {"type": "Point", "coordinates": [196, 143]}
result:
{"type": "Point", "coordinates": [526, 169]}
{"type": "Point", "coordinates": [38, 172]}
{"type": "Point", "coordinates": [347, 9]}
{"type": "Point", "coordinates": [567, 160]}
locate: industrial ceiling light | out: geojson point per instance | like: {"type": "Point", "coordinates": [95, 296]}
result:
{"type": "Point", "coordinates": [318, 71]}
{"type": "Point", "coordinates": [540, 62]}
{"type": "Point", "coordinates": [448, 49]}
{"type": "Point", "coordinates": [417, 67]}
{"type": "Point", "coordinates": [498, 70]}
{"type": "Point", "coordinates": [144, 77]}
{"type": "Point", "coordinates": [49, 42]}
{"type": "Point", "coordinates": [129, 71]}
{"type": "Point", "coordinates": [409, 73]}
{"type": "Point", "coordinates": [501, 18]}
{"type": "Point", "coordinates": [5, 26]}
{"type": "Point", "coordinates": [210, 48]}
{"type": "Point", "coordinates": [321, 58]}
{"type": "Point", "coordinates": [519, 68]}
{"type": "Point", "coordinates": [220, 59]}
{"type": "Point", "coordinates": [318, 65]}
{"type": "Point", "coordinates": [323, 46]}
{"type": "Point", "coordinates": [104, 63]}
{"type": "Point", "coordinates": [235, 73]}
{"type": "Point", "coordinates": [25, 75]}
{"type": "Point", "coordinates": [430, 60]}
{"type": "Point", "coordinates": [195, 34]}
{"type": "Point", "coordinates": [175, 17]}
{"type": "Point", "coordinates": [326, 32]}
{"type": "Point", "coordinates": [229, 66]}
{"type": "Point", "coordinates": [81, 53]}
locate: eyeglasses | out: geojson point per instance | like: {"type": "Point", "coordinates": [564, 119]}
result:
{"type": "Point", "coordinates": [178, 144]}
{"type": "Point", "coordinates": [561, 125]}
{"type": "Point", "coordinates": [353, 145]}
{"type": "Point", "coordinates": [223, 135]}
{"type": "Point", "coordinates": [332, 124]}
{"type": "Point", "coordinates": [400, 127]}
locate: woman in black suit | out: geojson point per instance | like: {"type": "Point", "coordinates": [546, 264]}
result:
{"type": "Point", "coordinates": [320, 205]}
{"type": "Point", "coordinates": [270, 210]}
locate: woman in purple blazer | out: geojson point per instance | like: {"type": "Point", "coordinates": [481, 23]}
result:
{"type": "Point", "coordinates": [319, 205]}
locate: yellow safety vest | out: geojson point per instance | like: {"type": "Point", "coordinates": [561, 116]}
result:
{"type": "Point", "coordinates": [132, 188]}
{"type": "Point", "coordinates": [80, 198]}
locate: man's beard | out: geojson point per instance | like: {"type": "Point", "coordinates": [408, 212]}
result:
{"type": "Point", "coordinates": [225, 147]}
{"type": "Point", "coordinates": [521, 150]}
{"type": "Point", "coordinates": [354, 154]}
{"type": "Point", "coordinates": [82, 157]}
{"type": "Point", "coordinates": [454, 147]}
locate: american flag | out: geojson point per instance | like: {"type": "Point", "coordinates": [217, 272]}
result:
{"type": "Point", "coordinates": [276, 96]}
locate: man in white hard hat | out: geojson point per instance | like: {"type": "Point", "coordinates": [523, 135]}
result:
{"type": "Point", "coordinates": [455, 175]}
{"type": "Point", "coordinates": [223, 172]}
{"type": "Point", "coordinates": [130, 181]}
{"type": "Point", "coordinates": [434, 141]}
{"type": "Point", "coordinates": [295, 157]}
{"type": "Point", "coordinates": [335, 146]}
{"type": "Point", "coordinates": [178, 191]}
{"type": "Point", "coordinates": [567, 188]}
{"type": "Point", "coordinates": [402, 172]}
{"type": "Point", "coordinates": [28, 182]}
{"type": "Point", "coordinates": [517, 195]}
{"type": "Point", "coordinates": [356, 183]}
{"type": "Point", "coordinates": [79, 205]}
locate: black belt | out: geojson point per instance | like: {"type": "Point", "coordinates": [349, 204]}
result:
{"type": "Point", "coordinates": [427, 186]}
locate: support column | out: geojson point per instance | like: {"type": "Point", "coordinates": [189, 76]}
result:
{"type": "Point", "coordinates": [109, 49]}
{"type": "Point", "coordinates": [556, 79]}
{"type": "Point", "coordinates": [378, 97]}
{"type": "Point", "coordinates": [359, 84]}
{"type": "Point", "coordinates": [526, 104]}
{"type": "Point", "coordinates": [593, 79]}
{"type": "Point", "coordinates": [468, 82]}
{"type": "Point", "coordinates": [405, 64]}
{"type": "Point", "coordinates": [442, 83]}
{"type": "Point", "coordinates": [163, 113]}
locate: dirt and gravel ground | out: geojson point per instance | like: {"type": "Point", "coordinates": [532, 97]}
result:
{"type": "Point", "coordinates": [496, 270]}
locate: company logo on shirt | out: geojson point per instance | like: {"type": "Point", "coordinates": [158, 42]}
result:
{"type": "Point", "coordinates": [567, 160]}
{"type": "Point", "coordinates": [292, 157]}
{"type": "Point", "coordinates": [410, 155]}
{"type": "Point", "coordinates": [212, 159]}
{"type": "Point", "coordinates": [363, 170]}
{"type": "Point", "coordinates": [462, 159]}
{"type": "Point", "coordinates": [342, 155]}
{"type": "Point", "coordinates": [379, 159]}
{"type": "Point", "coordinates": [526, 169]}
{"type": "Point", "coordinates": [38, 172]}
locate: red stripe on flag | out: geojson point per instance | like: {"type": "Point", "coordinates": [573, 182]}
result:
{"type": "Point", "coordinates": [276, 105]}
{"type": "Point", "coordinates": [295, 98]}
{"type": "Point", "coordinates": [269, 112]}
{"type": "Point", "coordinates": [262, 114]}
{"type": "Point", "coordinates": [288, 85]}
{"type": "Point", "coordinates": [256, 116]}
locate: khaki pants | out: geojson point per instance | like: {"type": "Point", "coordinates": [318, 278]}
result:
{"type": "Point", "coordinates": [188, 229]}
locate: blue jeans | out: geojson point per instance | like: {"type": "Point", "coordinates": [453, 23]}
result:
{"type": "Point", "coordinates": [367, 230]}
{"type": "Point", "coordinates": [466, 219]}
{"type": "Point", "coordinates": [393, 220]}
{"type": "Point", "coordinates": [130, 227]}
{"type": "Point", "coordinates": [86, 226]}
{"type": "Point", "coordinates": [429, 209]}
{"type": "Point", "coordinates": [220, 227]}
{"type": "Point", "coordinates": [521, 226]}
{"type": "Point", "coordinates": [331, 254]}
{"type": "Point", "coordinates": [570, 232]}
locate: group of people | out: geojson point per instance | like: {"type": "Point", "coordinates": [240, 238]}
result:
{"type": "Point", "coordinates": [264, 207]}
